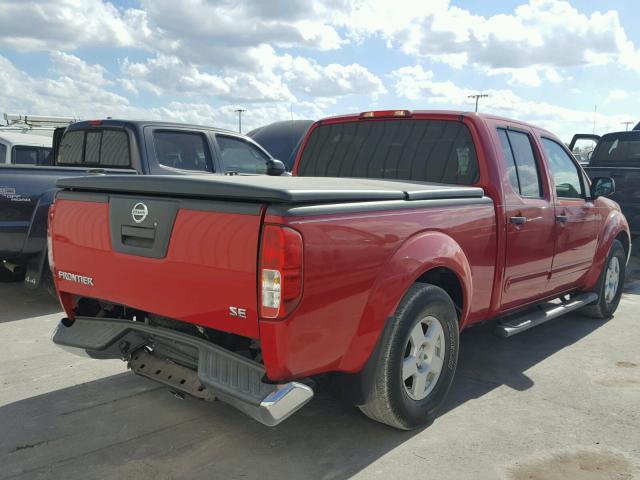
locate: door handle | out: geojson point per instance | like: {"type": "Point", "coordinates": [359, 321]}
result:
{"type": "Point", "coordinates": [562, 218]}
{"type": "Point", "coordinates": [517, 220]}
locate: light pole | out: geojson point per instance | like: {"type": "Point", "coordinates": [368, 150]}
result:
{"type": "Point", "coordinates": [478, 96]}
{"type": "Point", "coordinates": [626, 125]}
{"type": "Point", "coordinates": [239, 111]}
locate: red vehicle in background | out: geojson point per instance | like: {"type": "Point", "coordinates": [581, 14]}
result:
{"type": "Point", "coordinates": [399, 230]}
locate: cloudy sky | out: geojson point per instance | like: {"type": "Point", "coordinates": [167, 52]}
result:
{"type": "Point", "coordinates": [545, 61]}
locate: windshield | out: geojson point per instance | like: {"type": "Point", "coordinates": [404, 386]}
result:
{"type": "Point", "coordinates": [424, 150]}
{"type": "Point", "coordinates": [623, 147]}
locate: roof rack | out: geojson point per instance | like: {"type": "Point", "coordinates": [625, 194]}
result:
{"type": "Point", "coordinates": [34, 122]}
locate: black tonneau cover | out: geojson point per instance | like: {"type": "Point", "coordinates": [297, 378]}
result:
{"type": "Point", "coordinates": [267, 189]}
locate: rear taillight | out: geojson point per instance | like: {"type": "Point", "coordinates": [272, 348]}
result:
{"type": "Point", "coordinates": [280, 271]}
{"type": "Point", "coordinates": [49, 240]}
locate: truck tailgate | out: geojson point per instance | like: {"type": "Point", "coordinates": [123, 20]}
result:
{"type": "Point", "coordinates": [189, 260]}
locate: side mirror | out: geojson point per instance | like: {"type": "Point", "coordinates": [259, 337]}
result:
{"type": "Point", "coordinates": [275, 168]}
{"type": "Point", "coordinates": [602, 187]}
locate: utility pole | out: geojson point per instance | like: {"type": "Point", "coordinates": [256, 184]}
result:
{"type": "Point", "coordinates": [626, 125]}
{"type": "Point", "coordinates": [595, 111]}
{"type": "Point", "coordinates": [239, 112]}
{"type": "Point", "coordinates": [478, 96]}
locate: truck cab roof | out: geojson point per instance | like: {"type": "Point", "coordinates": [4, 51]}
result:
{"type": "Point", "coordinates": [422, 114]}
{"type": "Point", "coordinates": [112, 122]}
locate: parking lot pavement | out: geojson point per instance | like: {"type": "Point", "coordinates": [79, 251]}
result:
{"type": "Point", "coordinates": [559, 401]}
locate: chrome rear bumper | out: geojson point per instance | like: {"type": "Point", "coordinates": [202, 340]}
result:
{"type": "Point", "coordinates": [220, 373]}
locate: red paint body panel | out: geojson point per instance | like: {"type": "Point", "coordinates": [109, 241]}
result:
{"type": "Point", "coordinates": [356, 272]}
{"type": "Point", "coordinates": [356, 266]}
{"type": "Point", "coordinates": [210, 265]}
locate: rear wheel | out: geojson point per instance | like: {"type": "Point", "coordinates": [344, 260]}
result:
{"type": "Point", "coordinates": [610, 284]}
{"type": "Point", "coordinates": [418, 361]}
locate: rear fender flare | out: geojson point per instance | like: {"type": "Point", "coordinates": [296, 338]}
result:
{"type": "Point", "coordinates": [614, 224]}
{"type": "Point", "coordinates": [418, 255]}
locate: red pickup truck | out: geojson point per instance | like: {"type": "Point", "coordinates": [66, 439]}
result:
{"type": "Point", "coordinates": [399, 230]}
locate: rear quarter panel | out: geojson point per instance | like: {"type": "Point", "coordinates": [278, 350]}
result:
{"type": "Point", "coordinates": [358, 266]}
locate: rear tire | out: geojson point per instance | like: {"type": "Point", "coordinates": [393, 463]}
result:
{"type": "Point", "coordinates": [610, 284]}
{"type": "Point", "coordinates": [418, 360]}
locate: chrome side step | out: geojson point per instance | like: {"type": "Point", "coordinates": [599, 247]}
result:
{"type": "Point", "coordinates": [533, 318]}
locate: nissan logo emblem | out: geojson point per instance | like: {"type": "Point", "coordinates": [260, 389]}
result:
{"type": "Point", "coordinates": [139, 212]}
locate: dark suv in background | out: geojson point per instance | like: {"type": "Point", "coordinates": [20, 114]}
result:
{"type": "Point", "coordinates": [116, 147]}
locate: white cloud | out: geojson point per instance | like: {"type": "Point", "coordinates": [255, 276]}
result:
{"type": "Point", "coordinates": [333, 80]}
{"type": "Point", "coordinates": [274, 78]}
{"type": "Point", "coordinates": [70, 66]}
{"type": "Point", "coordinates": [67, 24]}
{"type": "Point", "coordinates": [540, 36]}
{"type": "Point", "coordinates": [527, 76]}
{"type": "Point", "coordinates": [417, 84]}
{"type": "Point", "coordinates": [261, 54]}
{"type": "Point", "coordinates": [616, 95]}
{"type": "Point", "coordinates": [84, 95]}
{"type": "Point", "coordinates": [529, 45]}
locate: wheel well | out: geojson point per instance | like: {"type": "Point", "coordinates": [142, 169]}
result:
{"type": "Point", "coordinates": [624, 239]}
{"type": "Point", "coordinates": [448, 281]}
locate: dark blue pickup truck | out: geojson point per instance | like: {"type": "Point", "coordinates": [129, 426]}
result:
{"type": "Point", "coordinates": [107, 147]}
{"type": "Point", "coordinates": [617, 155]}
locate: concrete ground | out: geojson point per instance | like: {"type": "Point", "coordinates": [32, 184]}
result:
{"type": "Point", "coordinates": [561, 401]}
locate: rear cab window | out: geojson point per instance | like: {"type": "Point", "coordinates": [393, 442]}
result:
{"type": "Point", "coordinates": [423, 150]}
{"type": "Point", "coordinates": [103, 147]}
{"type": "Point", "coordinates": [182, 150]}
{"type": "Point", "coordinates": [622, 148]}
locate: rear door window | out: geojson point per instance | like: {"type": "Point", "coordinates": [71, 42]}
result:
{"type": "Point", "coordinates": [241, 156]}
{"type": "Point", "coordinates": [182, 150]}
{"type": "Point", "coordinates": [3, 153]}
{"type": "Point", "coordinates": [25, 155]}
{"type": "Point", "coordinates": [423, 150]}
{"type": "Point", "coordinates": [108, 148]}
{"type": "Point", "coordinates": [521, 163]}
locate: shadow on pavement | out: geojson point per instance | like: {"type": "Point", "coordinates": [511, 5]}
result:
{"type": "Point", "coordinates": [125, 426]}
{"type": "Point", "coordinates": [488, 361]}
{"type": "Point", "coordinates": [18, 302]}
